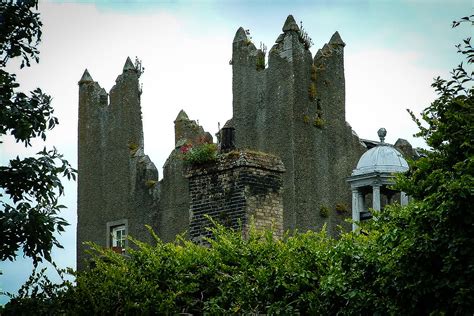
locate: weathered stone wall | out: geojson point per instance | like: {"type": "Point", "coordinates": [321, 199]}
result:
{"type": "Point", "coordinates": [117, 181]}
{"type": "Point", "coordinates": [295, 109]}
{"type": "Point", "coordinates": [238, 187]}
{"type": "Point", "coordinates": [173, 214]}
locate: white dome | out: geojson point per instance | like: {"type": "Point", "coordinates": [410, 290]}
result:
{"type": "Point", "coordinates": [383, 158]}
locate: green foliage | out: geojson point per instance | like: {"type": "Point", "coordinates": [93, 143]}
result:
{"type": "Point", "coordinates": [200, 154]}
{"type": "Point", "coordinates": [150, 184]}
{"type": "Point", "coordinates": [30, 216]}
{"type": "Point", "coordinates": [324, 211]}
{"type": "Point", "coordinates": [133, 147]}
{"type": "Point", "coordinates": [306, 119]}
{"type": "Point", "coordinates": [20, 31]}
{"type": "Point", "coordinates": [319, 122]}
{"type": "Point", "coordinates": [232, 275]}
{"type": "Point", "coordinates": [39, 295]}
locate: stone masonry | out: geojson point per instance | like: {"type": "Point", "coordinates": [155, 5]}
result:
{"type": "Point", "coordinates": [240, 187]}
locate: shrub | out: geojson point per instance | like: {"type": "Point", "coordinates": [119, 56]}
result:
{"type": "Point", "coordinates": [199, 154]}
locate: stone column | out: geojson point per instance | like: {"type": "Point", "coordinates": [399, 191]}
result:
{"type": "Point", "coordinates": [361, 202]}
{"type": "Point", "coordinates": [376, 197]}
{"type": "Point", "coordinates": [355, 208]}
{"type": "Point", "coordinates": [403, 198]}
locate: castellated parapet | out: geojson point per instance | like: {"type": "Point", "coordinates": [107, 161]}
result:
{"type": "Point", "coordinates": [292, 110]}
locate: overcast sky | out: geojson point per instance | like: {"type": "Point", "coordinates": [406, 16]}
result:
{"type": "Point", "coordinates": [393, 51]}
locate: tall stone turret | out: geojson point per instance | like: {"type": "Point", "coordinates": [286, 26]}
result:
{"type": "Point", "coordinates": [295, 108]}
{"type": "Point", "coordinates": [117, 182]}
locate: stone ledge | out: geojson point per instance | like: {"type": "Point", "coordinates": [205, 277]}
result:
{"type": "Point", "coordinates": [237, 159]}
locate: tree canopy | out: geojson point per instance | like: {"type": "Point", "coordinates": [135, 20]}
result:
{"type": "Point", "coordinates": [29, 187]}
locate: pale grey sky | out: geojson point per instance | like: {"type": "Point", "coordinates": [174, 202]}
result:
{"type": "Point", "coordinates": [393, 51]}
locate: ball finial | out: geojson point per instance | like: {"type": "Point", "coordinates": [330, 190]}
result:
{"type": "Point", "coordinates": [382, 132]}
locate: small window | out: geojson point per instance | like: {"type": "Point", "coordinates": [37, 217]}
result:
{"type": "Point", "coordinates": [119, 236]}
{"type": "Point", "coordinates": [116, 235]}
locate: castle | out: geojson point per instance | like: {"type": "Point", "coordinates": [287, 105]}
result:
{"type": "Point", "coordinates": [293, 151]}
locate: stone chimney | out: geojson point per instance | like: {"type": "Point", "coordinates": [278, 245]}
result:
{"type": "Point", "coordinates": [240, 187]}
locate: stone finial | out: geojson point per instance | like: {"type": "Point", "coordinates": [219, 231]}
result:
{"type": "Point", "coordinates": [290, 24]}
{"type": "Point", "coordinates": [240, 35]}
{"type": "Point", "coordinates": [86, 77]}
{"type": "Point", "coordinates": [382, 132]}
{"type": "Point", "coordinates": [182, 116]}
{"type": "Point", "coordinates": [336, 40]}
{"type": "Point", "coordinates": [128, 65]}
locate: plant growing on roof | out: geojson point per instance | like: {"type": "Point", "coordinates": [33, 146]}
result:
{"type": "Point", "coordinates": [199, 154]}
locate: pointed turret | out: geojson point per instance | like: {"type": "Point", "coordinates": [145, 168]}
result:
{"type": "Point", "coordinates": [336, 40]}
{"type": "Point", "coordinates": [128, 65]}
{"type": "Point", "coordinates": [86, 77]}
{"type": "Point", "coordinates": [290, 24]}
{"type": "Point", "coordinates": [182, 116]}
{"type": "Point", "coordinates": [240, 35]}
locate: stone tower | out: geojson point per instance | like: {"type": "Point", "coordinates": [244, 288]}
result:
{"type": "Point", "coordinates": [295, 109]}
{"type": "Point", "coordinates": [117, 182]}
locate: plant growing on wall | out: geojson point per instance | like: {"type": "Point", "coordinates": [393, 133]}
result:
{"type": "Point", "coordinates": [199, 154]}
{"type": "Point", "coordinates": [324, 211]}
{"type": "Point", "coordinates": [319, 122]}
{"type": "Point", "coordinates": [304, 37]}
